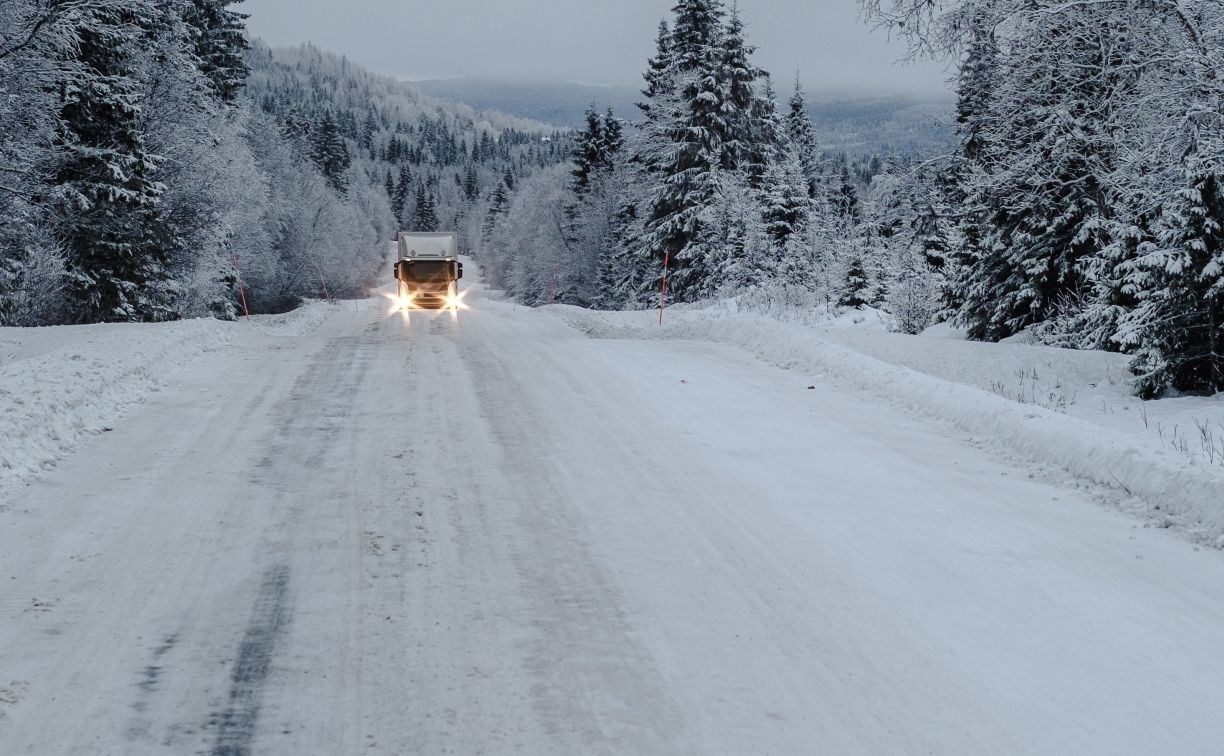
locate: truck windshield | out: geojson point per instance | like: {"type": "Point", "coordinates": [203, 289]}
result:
{"type": "Point", "coordinates": [429, 272]}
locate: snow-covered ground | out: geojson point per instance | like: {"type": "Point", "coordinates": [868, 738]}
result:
{"type": "Point", "coordinates": [354, 534]}
{"type": "Point", "coordinates": [1065, 411]}
{"type": "Point", "coordinates": [61, 385]}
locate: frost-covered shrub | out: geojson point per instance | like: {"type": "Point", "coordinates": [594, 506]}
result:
{"type": "Point", "coordinates": [914, 302]}
{"type": "Point", "coordinates": [33, 281]}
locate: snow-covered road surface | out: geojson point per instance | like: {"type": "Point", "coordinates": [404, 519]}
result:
{"type": "Point", "coordinates": [499, 536]}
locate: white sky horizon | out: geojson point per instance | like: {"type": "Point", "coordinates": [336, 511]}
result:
{"type": "Point", "coordinates": [586, 41]}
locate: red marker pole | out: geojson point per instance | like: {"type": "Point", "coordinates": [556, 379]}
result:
{"type": "Point", "coordinates": [246, 311]}
{"type": "Point", "coordinates": [663, 286]}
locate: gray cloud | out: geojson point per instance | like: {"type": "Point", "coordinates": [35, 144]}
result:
{"type": "Point", "coordinates": [592, 41]}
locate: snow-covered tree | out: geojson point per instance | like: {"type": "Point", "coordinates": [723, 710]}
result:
{"type": "Point", "coordinates": [801, 133]}
{"type": "Point", "coordinates": [218, 37]}
{"type": "Point", "coordinates": [109, 202]}
{"type": "Point", "coordinates": [330, 152]}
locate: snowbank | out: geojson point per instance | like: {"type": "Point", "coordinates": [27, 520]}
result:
{"type": "Point", "coordinates": [1169, 487]}
{"type": "Point", "coordinates": [59, 385]}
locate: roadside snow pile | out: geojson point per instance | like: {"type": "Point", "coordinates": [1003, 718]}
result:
{"type": "Point", "coordinates": [1169, 487]}
{"type": "Point", "coordinates": [61, 384]}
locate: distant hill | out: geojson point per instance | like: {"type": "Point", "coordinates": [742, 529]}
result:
{"type": "Point", "coordinates": [857, 124]}
{"type": "Point", "coordinates": [560, 103]}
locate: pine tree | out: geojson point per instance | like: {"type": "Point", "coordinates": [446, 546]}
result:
{"type": "Point", "coordinates": [588, 152]}
{"type": "Point", "coordinates": [108, 222]}
{"type": "Point", "coordinates": [660, 81]}
{"type": "Point", "coordinates": [744, 145]}
{"type": "Point", "coordinates": [787, 204]}
{"type": "Point", "coordinates": [219, 37]}
{"type": "Point", "coordinates": [683, 151]}
{"type": "Point", "coordinates": [331, 153]}
{"type": "Point", "coordinates": [471, 183]}
{"type": "Point", "coordinates": [855, 286]}
{"type": "Point", "coordinates": [847, 200]}
{"type": "Point", "coordinates": [425, 218]}
{"type": "Point", "coordinates": [498, 207]}
{"type": "Point", "coordinates": [1177, 330]}
{"type": "Point", "coordinates": [403, 190]}
{"type": "Point", "coordinates": [802, 136]}
{"type": "Point", "coordinates": [613, 137]}
{"type": "Point", "coordinates": [1048, 215]}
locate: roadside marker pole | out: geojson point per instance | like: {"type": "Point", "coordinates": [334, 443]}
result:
{"type": "Point", "coordinates": [663, 287]}
{"type": "Point", "coordinates": [326, 293]}
{"type": "Point", "coordinates": [246, 311]}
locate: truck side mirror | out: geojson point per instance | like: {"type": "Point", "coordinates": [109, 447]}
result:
{"type": "Point", "coordinates": [460, 273]}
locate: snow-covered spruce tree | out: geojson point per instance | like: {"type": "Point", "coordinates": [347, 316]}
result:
{"type": "Point", "coordinates": [748, 259]}
{"type": "Point", "coordinates": [1054, 119]}
{"type": "Point", "coordinates": [750, 127]}
{"type": "Point", "coordinates": [402, 193]}
{"type": "Point", "coordinates": [109, 202]}
{"type": "Point", "coordinates": [588, 151]}
{"type": "Point", "coordinates": [766, 131]}
{"type": "Point", "coordinates": [425, 216]}
{"type": "Point", "coordinates": [220, 43]}
{"type": "Point", "coordinates": [854, 290]}
{"type": "Point", "coordinates": [592, 212]}
{"type": "Point", "coordinates": [976, 78]}
{"type": "Point", "coordinates": [1177, 330]}
{"type": "Point", "coordinates": [801, 133]}
{"type": "Point", "coordinates": [613, 141]}
{"type": "Point", "coordinates": [786, 213]}
{"type": "Point", "coordinates": [683, 149]}
{"type": "Point", "coordinates": [682, 156]}
{"type": "Point", "coordinates": [471, 183]}
{"type": "Point", "coordinates": [330, 152]}
{"type": "Point", "coordinates": [208, 176]}
{"type": "Point", "coordinates": [846, 199]}
{"type": "Point", "coordinates": [498, 206]}
{"type": "Point", "coordinates": [626, 267]}
{"type": "Point", "coordinates": [659, 70]}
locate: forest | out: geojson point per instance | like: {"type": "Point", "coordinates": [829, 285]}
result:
{"type": "Point", "coordinates": [1082, 206]}
{"type": "Point", "coordinates": [155, 164]}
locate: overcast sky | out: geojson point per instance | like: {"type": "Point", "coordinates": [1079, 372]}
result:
{"type": "Point", "coordinates": [589, 41]}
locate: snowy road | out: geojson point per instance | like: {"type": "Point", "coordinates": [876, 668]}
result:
{"type": "Point", "coordinates": [501, 536]}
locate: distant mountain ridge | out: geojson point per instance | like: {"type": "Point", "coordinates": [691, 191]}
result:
{"type": "Point", "coordinates": [859, 124]}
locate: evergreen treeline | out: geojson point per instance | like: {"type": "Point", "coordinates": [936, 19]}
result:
{"type": "Point", "coordinates": [1083, 206]}
{"type": "Point", "coordinates": [150, 162]}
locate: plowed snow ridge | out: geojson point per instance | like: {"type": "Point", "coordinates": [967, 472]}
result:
{"type": "Point", "coordinates": [61, 384]}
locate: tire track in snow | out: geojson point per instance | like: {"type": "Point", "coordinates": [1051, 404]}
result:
{"type": "Point", "coordinates": [236, 725]}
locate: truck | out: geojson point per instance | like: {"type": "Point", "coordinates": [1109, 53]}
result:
{"type": "Point", "coordinates": [428, 271]}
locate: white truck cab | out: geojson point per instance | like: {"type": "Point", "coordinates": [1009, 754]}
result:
{"type": "Point", "coordinates": [428, 270]}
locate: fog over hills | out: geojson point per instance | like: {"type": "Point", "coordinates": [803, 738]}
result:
{"type": "Point", "coordinates": [859, 123]}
